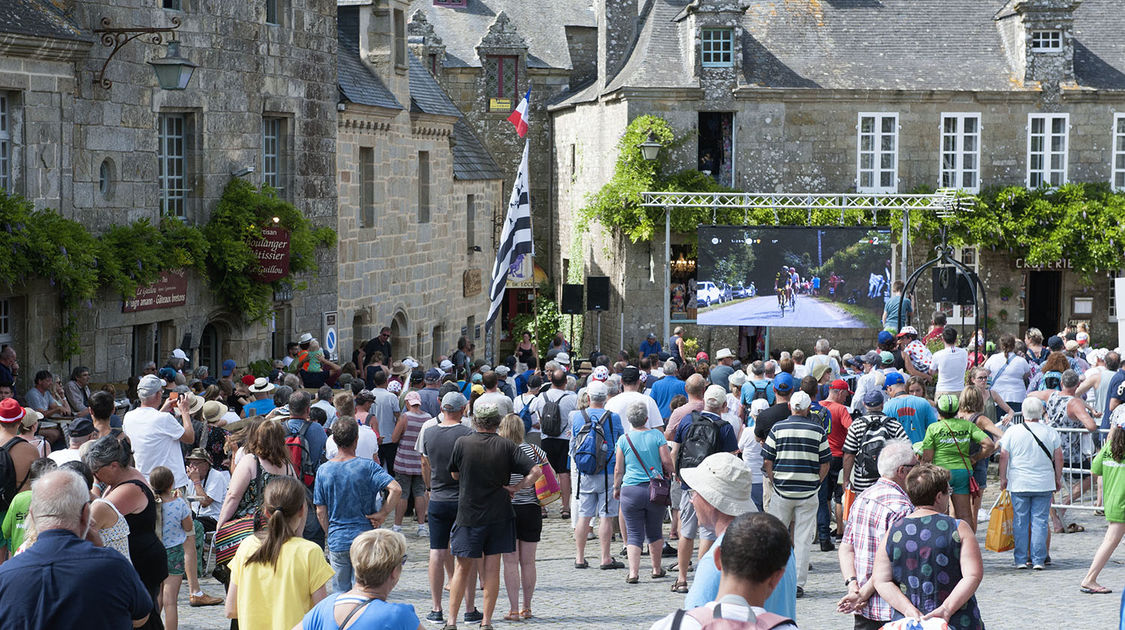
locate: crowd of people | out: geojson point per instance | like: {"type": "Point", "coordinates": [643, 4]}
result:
{"type": "Point", "coordinates": [292, 488]}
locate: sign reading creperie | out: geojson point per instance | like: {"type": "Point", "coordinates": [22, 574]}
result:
{"type": "Point", "coordinates": [169, 290]}
{"type": "Point", "coordinates": [1022, 263]}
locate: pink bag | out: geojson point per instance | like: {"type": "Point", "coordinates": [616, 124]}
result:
{"type": "Point", "coordinates": [547, 487]}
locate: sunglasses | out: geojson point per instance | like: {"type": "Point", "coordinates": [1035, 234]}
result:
{"type": "Point", "coordinates": [404, 559]}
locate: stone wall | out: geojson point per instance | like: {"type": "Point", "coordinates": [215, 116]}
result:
{"type": "Point", "coordinates": [72, 126]}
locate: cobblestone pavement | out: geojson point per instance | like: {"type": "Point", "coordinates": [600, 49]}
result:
{"type": "Point", "coordinates": [592, 598]}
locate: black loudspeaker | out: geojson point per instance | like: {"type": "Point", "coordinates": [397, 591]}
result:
{"type": "Point", "coordinates": [571, 299]}
{"type": "Point", "coordinates": [950, 285]}
{"type": "Point", "coordinates": [597, 293]}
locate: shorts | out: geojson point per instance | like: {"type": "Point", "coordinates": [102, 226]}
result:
{"type": "Point", "coordinates": [676, 495]}
{"type": "Point", "coordinates": [1081, 468]}
{"type": "Point", "coordinates": [529, 522]}
{"type": "Point", "coordinates": [175, 559]}
{"type": "Point", "coordinates": [411, 484]}
{"type": "Point", "coordinates": [689, 523]}
{"type": "Point", "coordinates": [440, 516]}
{"type": "Point", "coordinates": [474, 541]}
{"type": "Point", "coordinates": [959, 480]}
{"type": "Point", "coordinates": [595, 496]}
{"type": "Point", "coordinates": [980, 472]}
{"type": "Point", "coordinates": [558, 453]}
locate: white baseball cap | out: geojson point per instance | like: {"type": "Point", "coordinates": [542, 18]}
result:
{"type": "Point", "coordinates": [800, 401]}
{"type": "Point", "coordinates": [562, 358]}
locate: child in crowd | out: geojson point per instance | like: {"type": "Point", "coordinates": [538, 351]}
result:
{"type": "Point", "coordinates": [1110, 465]}
{"type": "Point", "coordinates": [178, 534]}
{"type": "Point", "coordinates": [18, 529]}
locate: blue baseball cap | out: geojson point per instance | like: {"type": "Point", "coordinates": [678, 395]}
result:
{"type": "Point", "coordinates": [228, 367]}
{"type": "Point", "coordinates": [894, 378]}
{"type": "Point", "coordinates": [167, 374]}
{"type": "Point", "coordinates": [783, 383]}
{"type": "Point", "coordinates": [885, 337]}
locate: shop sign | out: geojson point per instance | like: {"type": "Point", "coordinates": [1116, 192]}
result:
{"type": "Point", "coordinates": [471, 281]}
{"type": "Point", "coordinates": [1065, 263]}
{"type": "Point", "coordinates": [272, 252]}
{"type": "Point", "coordinates": [169, 291]}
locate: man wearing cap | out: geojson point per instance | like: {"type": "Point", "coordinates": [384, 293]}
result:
{"type": "Point", "coordinates": [20, 450]}
{"type": "Point", "coordinates": [208, 485]}
{"type": "Point", "coordinates": [262, 391]}
{"type": "Point", "coordinates": [839, 422]}
{"type": "Point", "coordinates": [887, 343]}
{"type": "Point", "coordinates": [783, 386]}
{"type": "Point", "coordinates": [595, 490]}
{"type": "Point", "coordinates": [914, 413]}
{"type": "Point", "coordinates": [504, 382]}
{"type": "Point", "coordinates": [483, 464]}
{"type": "Point", "coordinates": [796, 459]}
{"type": "Point", "coordinates": [722, 485]}
{"type": "Point", "coordinates": [722, 370]}
{"type": "Point", "coordinates": [64, 581]}
{"type": "Point", "coordinates": [437, 447]}
{"type": "Point", "coordinates": [155, 434]}
{"type": "Point", "coordinates": [177, 361]}
{"type": "Point", "coordinates": [667, 388]}
{"type": "Point", "coordinates": [864, 434]}
{"type": "Point", "coordinates": [650, 345]}
{"type": "Point", "coordinates": [917, 357]}
{"type": "Point", "coordinates": [872, 515]}
{"type": "Point", "coordinates": [81, 431]}
{"type": "Point", "coordinates": [714, 404]}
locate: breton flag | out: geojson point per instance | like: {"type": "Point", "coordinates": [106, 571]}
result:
{"type": "Point", "coordinates": [519, 117]}
{"type": "Point", "coordinates": [515, 240]}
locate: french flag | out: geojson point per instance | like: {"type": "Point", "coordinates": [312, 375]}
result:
{"type": "Point", "coordinates": [520, 117]}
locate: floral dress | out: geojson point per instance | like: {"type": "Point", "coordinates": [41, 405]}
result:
{"type": "Point", "coordinates": [925, 554]}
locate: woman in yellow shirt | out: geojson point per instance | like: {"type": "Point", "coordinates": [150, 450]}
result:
{"type": "Point", "coordinates": [275, 579]}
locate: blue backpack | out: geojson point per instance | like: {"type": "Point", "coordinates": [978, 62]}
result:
{"type": "Point", "coordinates": [1051, 380]}
{"type": "Point", "coordinates": [592, 451]}
{"type": "Point", "coordinates": [526, 415]}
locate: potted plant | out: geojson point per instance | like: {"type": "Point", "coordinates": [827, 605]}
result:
{"type": "Point", "coordinates": [1003, 314]}
{"type": "Point", "coordinates": [1005, 294]}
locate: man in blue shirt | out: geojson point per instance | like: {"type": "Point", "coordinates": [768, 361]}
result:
{"type": "Point", "coordinates": [49, 585]}
{"type": "Point", "coordinates": [914, 413]}
{"type": "Point", "coordinates": [595, 488]}
{"type": "Point", "coordinates": [650, 345]}
{"type": "Point", "coordinates": [667, 388]}
{"type": "Point", "coordinates": [262, 390]}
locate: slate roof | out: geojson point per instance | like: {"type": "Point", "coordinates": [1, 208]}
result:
{"type": "Point", "coordinates": [38, 18]}
{"type": "Point", "coordinates": [867, 44]}
{"type": "Point", "coordinates": [470, 159]}
{"type": "Point", "coordinates": [357, 83]}
{"type": "Point", "coordinates": [542, 25]}
{"type": "Point", "coordinates": [426, 95]}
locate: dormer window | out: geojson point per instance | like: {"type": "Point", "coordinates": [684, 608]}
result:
{"type": "Point", "coordinates": [717, 47]}
{"type": "Point", "coordinates": [502, 82]}
{"type": "Point", "coordinates": [1046, 41]}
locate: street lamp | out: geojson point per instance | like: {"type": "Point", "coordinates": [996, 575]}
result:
{"type": "Point", "coordinates": [650, 148]}
{"type": "Point", "coordinates": [172, 71]}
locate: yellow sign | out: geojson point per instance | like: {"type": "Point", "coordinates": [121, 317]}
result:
{"type": "Point", "coordinates": [499, 104]}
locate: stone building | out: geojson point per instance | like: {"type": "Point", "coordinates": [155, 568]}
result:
{"type": "Point", "coordinates": [110, 153]}
{"type": "Point", "coordinates": [878, 97]}
{"type": "Point", "coordinates": [418, 193]}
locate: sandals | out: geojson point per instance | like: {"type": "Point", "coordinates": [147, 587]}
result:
{"type": "Point", "coordinates": [565, 514]}
{"type": "Point", "coordinates": [632, 579]}
{"type": "Point", "coordinates": [657, 576]}
{"type": "Point", "coordinates": [582, 565]}
{"type": "Point", "coordinates": [513, 615]}
{"type": "Point", "coordinates": [1095, 590]}
{"type": "Point", "coordinates": [1074, 528]}
{"type": "Point", "coordinates": [680, 587]}
{"type": "Point", "coordinates": [526, 613]}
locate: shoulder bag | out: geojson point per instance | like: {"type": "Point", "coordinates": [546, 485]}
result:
{"type": "Point", "coordinates": [659, 488]}
{"type": "Point", "coordinates": [974, 487]}
{"type": "Point", "coordinates": [231, 534]}
{"type": "Point", "coordinates": [1041, 444]}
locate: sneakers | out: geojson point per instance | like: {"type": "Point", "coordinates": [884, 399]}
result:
{"type": "Point", "coordinates": [423, 531]}
{"type": "Point", "coordinates": [473, 615]}
{"type": "Point", "coordinates": [668, 552]}
{"type": "Point", "coordinates": [203, 599]}
{"type": "Point", "coordinates": [1038, 567]}
{"type": "Point", "coordinates": [396, 529]}
{"type": "Point", "coordinates": [435, 616]}
{"type": "Point", "coordinates": [800, 592]}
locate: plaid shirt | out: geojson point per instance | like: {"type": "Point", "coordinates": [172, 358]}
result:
{"type": "Point", "coordinates": [872, 515]}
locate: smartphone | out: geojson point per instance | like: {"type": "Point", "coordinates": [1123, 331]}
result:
{"type": "Point", "coordinates": [174, 396]}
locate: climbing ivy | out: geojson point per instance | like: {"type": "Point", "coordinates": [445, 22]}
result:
{"type": "Point", "coordinates": [41, 243]}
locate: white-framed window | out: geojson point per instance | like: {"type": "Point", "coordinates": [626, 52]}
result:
{"type": "Point", "coordinates": [274, 158]}
{"type": "Point", "coordinates": [1118, 170]}
{"type": "Point", "coordinates": [960, 151]}
{"type": "Point", "coordinates": [717, 47]}
{"type": "Point", "coordinates": [877, 153]}
{"type": "Point", "coordinates": [1046, 41]}
{"type": "Point", "coordinates": [5, 320]}
{"type": "Point", "coordinates": [5, 143]}
{"type": "Point", "coordinates": [172, 156]}
{"type": "Point", "coordinates": [1047, 148]}
{"type": "Point", "coordinates": [970, 257]}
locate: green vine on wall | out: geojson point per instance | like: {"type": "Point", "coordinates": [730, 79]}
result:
{"type": "Point", "coordinates": [41, 243]}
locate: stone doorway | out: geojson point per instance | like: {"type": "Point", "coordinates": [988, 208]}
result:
{"type": "Point", "coordinates": [400, 336]}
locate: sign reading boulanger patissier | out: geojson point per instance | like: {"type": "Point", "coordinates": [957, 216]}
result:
{"type": "Point", "coordinates": [272, 252]}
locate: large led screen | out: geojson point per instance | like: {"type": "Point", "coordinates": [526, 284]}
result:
{"type": "Point", "coordinates": [809, 277]}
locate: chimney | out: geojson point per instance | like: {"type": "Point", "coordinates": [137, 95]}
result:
{"type": "Point", "coordinates": [382, 44]}
{"type": "Point", "coordinates": [617, 24]}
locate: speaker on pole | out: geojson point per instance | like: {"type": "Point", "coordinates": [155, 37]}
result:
{"type": "Point", "coordinates": [950, 285]}
{"type": "Point", "coordinates": [597, 293]}
{"type": "Point", "coordinates": [571, 300]}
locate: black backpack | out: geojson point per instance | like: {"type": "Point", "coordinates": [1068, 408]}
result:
{"type": "Point", "coordinates": [550, 417]}
{"type": "Point", "coordinates": [9, 485]}
{"type": "Point", "coordinates": [700, 440]}
{"type": "Point", "coordinates": [760, 393]}
{"type": "Point", "coordinates": [871, 444]}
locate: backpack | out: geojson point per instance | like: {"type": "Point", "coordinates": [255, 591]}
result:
{"type": "Point", "coordinates": [711, 619]}
{"type": "Point", "coordinates": [871, 444]}
{"type": "Point", "coordinates": [526, 415]}
{"type": "Point", "coordinates": [592, 450]}
{"type": "Point", "coordinates": [760, 393]}
{"type": "Point", "coordinates": [700, 440]}
{"type": "Point", "coordinates": [9, 485]}
{"type": "Point", "coordinates": [550, 417]}
{"type": "Point", "coordinates": [1051, 380]}
{"type": "Point", "coordinates": [300, 455]}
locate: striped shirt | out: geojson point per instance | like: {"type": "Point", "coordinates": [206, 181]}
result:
{"type": "Point", "coordinates": [886, 426]}
{"type": "Point", "coordinates": [408, 461]}
{"type": "Point", "coordinates": [527, 495]}
{"type": "Point", "coordinates": [797, 447]}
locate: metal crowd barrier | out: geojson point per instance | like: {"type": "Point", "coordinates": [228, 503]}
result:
{"type": "Point", "coordinates": [1080, 491]}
